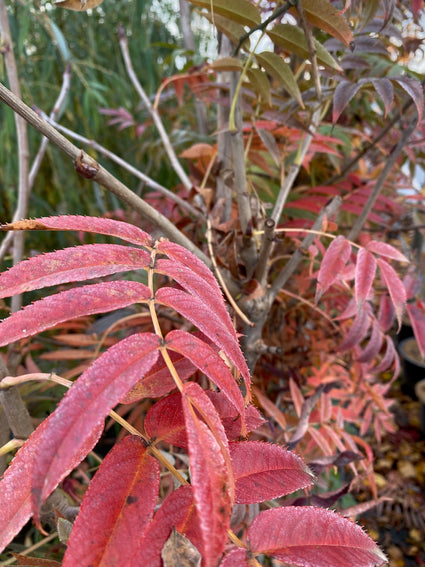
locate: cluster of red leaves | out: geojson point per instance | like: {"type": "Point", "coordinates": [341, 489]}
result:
{"type": "Point", "coordinates": [207, 425]}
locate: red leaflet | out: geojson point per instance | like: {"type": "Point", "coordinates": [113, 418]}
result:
{"type": "Point", "coordinates": [389, 357]}
{"type": "Point", "coordinates": [231, 419]}
{"type": "Point", "coordinates": [178, 511]}
{"type": "Point", "coordinates": [116, 508]}
{"type": "Point", "coordinates": [110, 227]}
{"type": "Point", "coordinates": [357, 331]}
{"type": "Point", "coordinates": [386, 313]}
{"type": "Point", "coordinates": [207, 321]}
{"type": "Point", "coordinates": [71, 265]}
{"type": "Point", "coordinates": [365, 274]}
{"type": "Point", "coordinates": [183, 257]}
{"type": "Point", "coordinates": [193, 280]}
{"type": "Point", "coordinates": [158, 381]}
{"type": "Point", "coordinates": [333, 262]}
{"type": "Point", "coordinates": [395, 286]}
{"type": "Point", "coordinates": [211, 475]}
{"type": "Point", "coordinates": [385, 90]}
{"type": "Point", "coordinates": [165, 421]}
{"type": "Point", "coordinates": [15, 486]}
{"type": "Point", "coordinates": [210, 363]}
{"type": "Point", "coordinates": [263, 471]}
{"type": "Point", "coordinates": [85, 406]}
{"type": "Point", "coordinates": [85, 300]}
{"type": "Point", "coordinates": [414, 89]}
{"type": "Point", "coordinates": [374, 345]}
{"type": "Point", "coordinates": [312, 537]}
{"type": "Point", "coordinates": [238, 557]}
{"type": "Point", "coordinates": [344, 92]}
{"type": "Point", "coordinates": [384, 249]}
{"type": "Point", "coordinates": [413, 286]}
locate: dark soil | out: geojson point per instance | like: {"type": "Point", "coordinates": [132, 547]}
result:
{"type": "Point", "coordinates": [398, 525]}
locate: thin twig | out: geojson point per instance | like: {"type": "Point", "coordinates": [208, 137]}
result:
{"type": "Point", "coordinates": [221, 279]}
{"type": "Point", "coordinates": [261, 27]}
{"type": "Point", "coordinates": [238, 159]}
{"type": "Point", "coordinates": [392, 158]}
{"type": "Point", "coordinates": [315, 119]}
{"type": "Point", "coordinates": [303, 421]}
{"type": "Point", "coordinates": [399, 115]}
{"type": "Point", "coordinates": [100, 174]}
{"type": "Point", "coordinates": [66, 81]}
{"type": "Point", "coordinates": [57, 107]}
{"type": "Point", "coordinates": [189, 44]}
{"type": "Point", "coordinates": [152, 111]}
{"type": "Point", "coordinates": [22, 141]}
{"type": "Point", "coordinates": [330, 210]}
{"type": "Point", "coordinates": [312, 52]}
{"type": "Point", "coordinates": [261, 270]}
{"type": "Point", "coordinates": [124, 164]}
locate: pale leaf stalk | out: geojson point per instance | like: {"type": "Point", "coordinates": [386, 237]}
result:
{"type": "Point", "coordinates": [66, 82]}
{"type": "Point", "coordinates": [34, 547]}
{"type": "Point", "coordinates": [220, 278]}
{"type": "Point", "coordinates": [10, 446]}
{"type": "Point", "coordinates": [101, 175]}
{"type": "Point", "coordinates": [22, 142]}
{"type": "Point", "coordinates": [153, 112]}
{"type": "Point", "coordinates": [125, 165]}
{"type": "Point", "coordinates": [315, 120]}
{"type": "Point", "coordinates": [157, 327]}
{"type": "Point", "coordinates": [52, 377]}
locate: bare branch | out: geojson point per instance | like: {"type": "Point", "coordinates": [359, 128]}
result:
{"type": "Point", "coordinates": [238, 160]}
{"type": "Point", "coordinates": [330, 210]}
{"type": "Point", "coordinates": [189, 44]}
{"type": "Point", "coordinates": [224, 190]}
{"type": "Point", "coordinates": [261, 270]}
{"type": "Point", "coordinates": [22, 139]}
{"type": "Point", "coordinates": [261, 27]}
{"type": "Point", "coordinates": [303, 422]}
{"type": "Point", "coordinates": [124, 164]}
{"type": "Point", "coordinates": [315, 119]}
{"type": "Point", "coordinates": [392, 158]}
{"type": "Point", "coordinates": [100, 174]}
{"type": "Point", "coordinates": [153, 112]}
{"type": "Point", "coordinates": [39, 157]}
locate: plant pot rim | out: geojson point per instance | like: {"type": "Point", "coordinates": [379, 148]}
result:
{"type": "Point", "coordinates": [420, 390]}
{"type": "Point", "coordinates": [401, 349]}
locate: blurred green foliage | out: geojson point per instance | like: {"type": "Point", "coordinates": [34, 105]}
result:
{"type": "Point", "coordinates": [46, 39]}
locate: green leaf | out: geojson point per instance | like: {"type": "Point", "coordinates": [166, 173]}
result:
{"type": "Point", "coordinates": [61, 41]}
{"type": "Point", "coordinates": [232, 30]}
{"type": "Point", "coordinates": [260, 83]}
{"type": "Point", "coordinates": [279, 70]}
{"type": "Point", "coordinates": [292, 38]}
{"type": "Point", "coordinates": [240, 11]}
{"type": "Point", "coordinates": [227, 64]}
{"type": "Point", "coordinates": [324, 16]}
